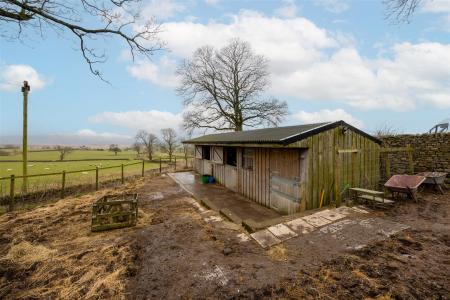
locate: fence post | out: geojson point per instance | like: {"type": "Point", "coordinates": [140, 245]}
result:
{"type": "Point", "coordinates": [159, 164]}
{"type": "Point", "coordinates": [388, 166]}
{"type": "Point", "coordinates": [143, 166]}
{"type": "Point", "coordinates": [11, 193]}
{"type": "Point", "coordinates": [337, 178]}
{"type": "Point", "coordinates": [96, 178]}
{"type": "Point", "coordinates": [63, 183]}
{"type": "Point", "coordinates": [123, 180]}
{"type": "Point", "coordinates": [175, 168]}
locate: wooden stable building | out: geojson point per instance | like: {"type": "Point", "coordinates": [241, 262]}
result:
{"type": "Point", "coordinates": [291, 169]}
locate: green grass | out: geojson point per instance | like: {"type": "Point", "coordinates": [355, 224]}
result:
{"type": "Point", "coordinates": [76, 154]}
{"type": "Point", "coordinates": [54, 181]}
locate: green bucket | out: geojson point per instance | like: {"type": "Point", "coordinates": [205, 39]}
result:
{"type": "Point", "coordinates": [205, 179]}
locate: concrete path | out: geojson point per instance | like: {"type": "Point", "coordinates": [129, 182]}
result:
{"type": "Point", "coordinates": [331, 223]}
{"type": "Point", "coordinates": [222, 198]}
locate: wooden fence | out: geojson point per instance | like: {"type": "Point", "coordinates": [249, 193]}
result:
{"type": "Point", "coordinates": [164, 166]}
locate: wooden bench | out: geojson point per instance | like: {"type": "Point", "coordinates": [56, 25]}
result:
{"type": "Point", "coordinates": [370, 195]}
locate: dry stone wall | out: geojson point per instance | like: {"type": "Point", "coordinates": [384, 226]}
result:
{"type": "Point", "coordinates": [431, 152]}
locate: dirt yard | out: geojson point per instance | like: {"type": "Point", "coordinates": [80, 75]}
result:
{"type": "Point", "coordinates": [180, 250]}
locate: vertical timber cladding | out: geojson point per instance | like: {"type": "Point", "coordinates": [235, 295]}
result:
{"type": "Point", "coordinates": [254, 182]}
{"type": "Point", "coordinates": [198, 166]}
{"type": "Point", "coordinates": [285, 182]}
{"type": "Point", "coordinates": [330, 171]}
{"type": "Point", "coordinates": [218, 172]}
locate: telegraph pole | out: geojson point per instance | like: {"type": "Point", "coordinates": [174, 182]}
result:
{"type": "Point", "coordinates": [25, 91]}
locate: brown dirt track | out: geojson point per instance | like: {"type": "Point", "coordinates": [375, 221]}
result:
{"type": "Point", "coordinates": [174, 253]}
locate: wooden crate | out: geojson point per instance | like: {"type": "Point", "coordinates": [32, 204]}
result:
{"type": "Point", "coordinates": [114, 211]}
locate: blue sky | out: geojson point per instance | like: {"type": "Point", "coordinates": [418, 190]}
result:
{"type": "Point", "coordinates": [329, 59]}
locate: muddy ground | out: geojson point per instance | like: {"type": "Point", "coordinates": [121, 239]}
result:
{"type": "Point", "coordinates": [179, 250]}
{"type": "Point", "coordinates": [183, 256]}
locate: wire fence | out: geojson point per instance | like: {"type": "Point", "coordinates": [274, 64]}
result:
{"type": "Point", "coordinates": [62, 183]}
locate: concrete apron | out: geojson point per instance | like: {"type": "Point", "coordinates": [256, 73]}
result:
{"type": "Point", "coordinates": [233, 206]}
{"type": "Point", "coordinates": [331, 224]}
{"type": "Point", "coordinates": [274, 229]}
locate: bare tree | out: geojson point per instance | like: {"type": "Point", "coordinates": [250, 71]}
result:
{"type": "Point", "coordinates": [400, 11]}
{"type": "Point", "coordinates": [148, 140]}
{"type": "Point", "coordinates": [63, 151]}
{"type": "Point", "coordinates": [169, 141]}
{"type": "Point", "coordinates": [86, 21]}
{"type": "Point", "coordinates": [188, 150]}
{"type": "Point", "coordinates": [223, 89]}
{"type": "Point", "coordinates": [137, 147]}
{"type": "Point", "coordinates": [114, 148]}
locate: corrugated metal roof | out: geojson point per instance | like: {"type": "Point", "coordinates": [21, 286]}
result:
{"type": "Point", "coordinates": [277, 135]}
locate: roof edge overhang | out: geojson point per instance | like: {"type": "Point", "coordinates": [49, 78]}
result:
{"type": "Point", "coordinates": [325, 127]}
{"type": "Point", "coordinates": [291, 139]}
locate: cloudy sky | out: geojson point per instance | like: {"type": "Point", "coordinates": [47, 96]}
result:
{"type": "Point", "coordinates": [329, 59]}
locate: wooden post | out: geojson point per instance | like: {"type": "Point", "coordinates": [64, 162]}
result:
{"type": "Point", "coordinates": [143, 167]}
{"type": "Point", "coordinates": [96, 178]}
{"type": "Point", "coordinates": [338, 178]}
{"type": "Point", "coordinates": [123, 179]}
{"type": "Point", "coordinates": [388, 166]}
{"type": "Point", "coordinates": [11, 193]}
{"type": "Point", "coordinates": [25, 90]}
{"type": "Point", "coordinates": [160, 165]}
{"type": "Point", "coordinates": [63, 183]}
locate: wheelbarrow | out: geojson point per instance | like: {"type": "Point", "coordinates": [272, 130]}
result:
{"type": "Point", "coordinates": [437, 179]}
{"type": "Point", "coordinates": [404, 184]}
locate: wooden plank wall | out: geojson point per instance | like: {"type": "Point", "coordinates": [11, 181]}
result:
{"type": "Point", "coordinates": [231, 178]}
{"type": "Point", "coordinates": [219, 173]}
{"type": "Point", "coordinates": [326, 169]}
{"type": "Point", "coordinates": [198, 165]}
{"type": "Point", "coordinates": [332, 172]}
{"type": "Point", "coordinates": [255, 183]}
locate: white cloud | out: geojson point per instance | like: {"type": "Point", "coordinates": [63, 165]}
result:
{"type": "Point", "coordinates": [162, 9]}
{"type": "Point", "coordinates": [13, 76]}
{"type": "Point", "coordinates": [441, 7]}
{"type": "Point", "coordinates": [282, 41]}
{"type": "Point", "coordinates": [437, 6]}
{"type": "Point", "coordinates": [417, 75]}
{"type": "Point", "coordinates": [288, 10]}
{"type": "Point", "coordinates": [310, 63]}
{"type": "Point", "coordinates": [152, 120]}
{"type": "Point", "coordinates": [326, 115]}
{"type": "Point", "coordinates": [334, 6]}
{"type": "Point", "coordinates": [92, 134]}
{"type": "Point", "coordinates": [161, 73]}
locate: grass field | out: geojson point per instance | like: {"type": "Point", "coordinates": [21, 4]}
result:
{"type": "Point", "coordinates": [51, 164]}
{"type": "Point", "coordinates": [76, 154]}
